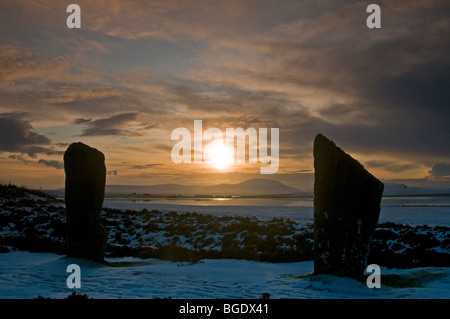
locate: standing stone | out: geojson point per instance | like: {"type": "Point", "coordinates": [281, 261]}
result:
{"type": "Point", "coordinates": [85, 190]}
{"type": "Point", "coordinates": [346, 210]}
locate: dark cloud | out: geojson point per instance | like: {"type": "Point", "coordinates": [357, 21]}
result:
{"type": "Point", "coordinates": [81, 121]}
{"type": "Point", "coordinates": [17, 135]}
{"type": "Point", "coordinates": [164, 147]}
{"type": "Point", "coordinates": [391, 166]}
{"type": "Point", "coordinates": [114, 125]}
{"type": "Point", "coordinates": [19, 157]}
{"type": "Point", "coordinates": [301, 171]}
{"type": "Point", "coordinates": [145, 166]}
{"type": "Point", "coordinates": [34, 150]}
{"type": "Point", "coordinates": [52, 163]}
{"type": "Point", "coordinates": [440, 170]}
{"type": "Point", "coordinates": [62, 144]}
{"type": "Point", "coordinates": [425, 84]}
{"type": "Point", "coordinates": [412, 112]}
{"type": "Point", "coordinates": [395, 87]}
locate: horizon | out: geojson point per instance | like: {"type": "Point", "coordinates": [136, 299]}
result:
{"type": "Point", "coordinates": [135, 72]}
{"type": "Point", "coordinates": [387, 186]}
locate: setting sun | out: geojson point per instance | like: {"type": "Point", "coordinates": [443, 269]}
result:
{"type": "Point", "coordinates": [218, 155]}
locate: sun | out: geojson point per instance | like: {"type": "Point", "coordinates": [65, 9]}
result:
{"type": "Point", "coordinates": [218, 155]}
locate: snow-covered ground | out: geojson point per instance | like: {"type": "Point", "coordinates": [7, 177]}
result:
{"type": "Point", "coordinates": [28, 275]}
{"type": "Point", "coordinates": [411, 211]}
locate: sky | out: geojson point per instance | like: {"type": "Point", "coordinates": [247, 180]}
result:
{"type": "Point", "coordinates": [137, 70]}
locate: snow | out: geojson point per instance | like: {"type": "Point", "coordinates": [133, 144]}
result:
{"type": "Point", "coordinates": [412, 211]}
{"type": "Point", "coordinates": [36, 197]}
{"type": "Point", "coordinates": [28, 275]}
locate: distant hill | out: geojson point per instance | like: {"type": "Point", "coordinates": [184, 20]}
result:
{"type": "Point", "coordinates": [251, 187]}
{"type": "Point", "coordinates": [416, 191]}
{"type": "Point", "coordinates": [256, 186]}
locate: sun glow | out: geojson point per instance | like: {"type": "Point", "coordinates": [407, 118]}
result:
{"type": "Point", "coordinates": [218, 155]}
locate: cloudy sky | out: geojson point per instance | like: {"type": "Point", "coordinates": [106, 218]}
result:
{"type": "Point", "coordinates": [136, 70]}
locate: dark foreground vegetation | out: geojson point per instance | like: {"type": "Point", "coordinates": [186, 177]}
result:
{"type": "Point", "coordinates": [34, 221]}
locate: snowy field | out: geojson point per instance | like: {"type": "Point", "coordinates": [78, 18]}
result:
{"type": "Point", "coordinates": [409, 210]}
{"type": "Point", "coordinates": [29, 275]}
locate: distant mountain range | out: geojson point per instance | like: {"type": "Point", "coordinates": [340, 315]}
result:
{"type": "Point", "coordinates": [395, 189]}
{"type": "Point", "coordinates": [257, 187]}
{"type": "Point", "coordinates": [251, 187]}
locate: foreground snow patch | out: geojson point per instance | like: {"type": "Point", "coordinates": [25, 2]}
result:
{"type": "Point", "coordinates": [29, 275]}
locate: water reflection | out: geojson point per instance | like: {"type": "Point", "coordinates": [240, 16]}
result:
{"type": "Point", "coordinates": [431, 201]}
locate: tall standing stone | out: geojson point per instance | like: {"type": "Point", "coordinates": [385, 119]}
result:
{"type": "Point", "coordinates": [346, 211]}
{"type": "Point", "coordinates": [85, 190]}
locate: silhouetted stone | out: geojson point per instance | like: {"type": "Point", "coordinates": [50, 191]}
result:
{"type": "Point", "coordinates": [85, 190]}
{"type": "Point", "coordinates": [346, 210]}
